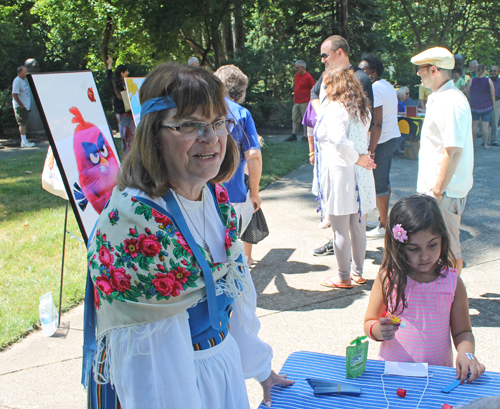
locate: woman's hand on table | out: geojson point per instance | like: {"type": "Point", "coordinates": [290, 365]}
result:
{"type": "Point", "coordinates": [465, 365]}
{"type": "Point", "coordinates": [366, 161]}
{"type": "Point", "coordinates": [273, 379]}
{"type": "Point", "coordinates": [387, 328]}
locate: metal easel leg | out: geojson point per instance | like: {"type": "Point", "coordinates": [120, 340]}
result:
{"type": "Point", "coordinates": [62, 262]}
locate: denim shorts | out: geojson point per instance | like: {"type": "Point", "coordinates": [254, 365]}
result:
{"type": "Point", "coordinates": [383, 158]}
{"type": "Point", "coordinates": [485, 117]}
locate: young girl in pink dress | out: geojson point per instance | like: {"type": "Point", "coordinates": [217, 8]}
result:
{"type": "Point", "coordinates": [417, 282]}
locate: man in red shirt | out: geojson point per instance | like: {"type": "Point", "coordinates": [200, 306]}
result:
{"type": "Point", "coordinates": [301, 97]}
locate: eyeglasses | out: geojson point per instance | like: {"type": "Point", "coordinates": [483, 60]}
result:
{"type": "Point", "coordinates": [324, 55]}
{"type": "Point", "coordinates": [424, 66]}
{"type": "Point", "coordinates": [194, 130]}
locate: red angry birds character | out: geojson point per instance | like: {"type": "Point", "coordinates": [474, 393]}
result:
{"type": "Point", "coordinates": [90, 94]}
{"type": "Point", "coordinates": [97, 165]}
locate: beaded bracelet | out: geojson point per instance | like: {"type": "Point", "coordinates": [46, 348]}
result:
{"type": "Point", "coordinates": [371, 335]}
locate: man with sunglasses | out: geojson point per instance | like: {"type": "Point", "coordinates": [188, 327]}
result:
{"type": "Point", "coordinates": [446, 157]}
{"type": "Point", "coordinates": [496, 108]}
{"type": "Point", "coordinates": [335, 53]}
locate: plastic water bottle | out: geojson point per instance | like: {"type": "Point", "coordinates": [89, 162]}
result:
{"type": "Point", "coordinates": [49, 316]}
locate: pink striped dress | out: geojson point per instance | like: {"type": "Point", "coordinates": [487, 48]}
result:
{"type": "Point", "coordinates": [426, 337]}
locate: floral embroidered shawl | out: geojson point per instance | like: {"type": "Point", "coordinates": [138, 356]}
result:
{"type": "Point", "coordinates": [142, 268]}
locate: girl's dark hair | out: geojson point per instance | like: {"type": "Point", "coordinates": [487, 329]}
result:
{"type": "Point", "coordinates": [374, 62]}
{"type": "Point", "coordinates": [119, 69]}
{"type": "Point", "coordinates": [414, 213]}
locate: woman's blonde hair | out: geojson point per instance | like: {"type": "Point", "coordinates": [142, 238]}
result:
{"type": "Point", "coordinates": [342, 86]}
{"type": "Point", "coordinates": [234, 80]}
{"type": "Point", "coordinates": [190, 87]}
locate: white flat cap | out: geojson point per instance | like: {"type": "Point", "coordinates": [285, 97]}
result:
{"type": "Point", "coordinates": [438, 56]}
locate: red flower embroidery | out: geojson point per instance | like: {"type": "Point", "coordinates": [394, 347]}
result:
{"type": "Point", "coordinates": [183, 243]}
{"type": "Point", "coordinates": [120, 279]}
{"type": "Point", "coordinates": [97, 298]}
{"type": "Point", "coordinates": [132, 231]}
{"type": "Point", "coordinates": [130, 246]}
{"type": "Point", "coordinates": [161, 218]}
{"type": "Point", "coordinates": [104, 284]}
{"type": "Point", "coordinates": [105, 257]}
{"type": "Point", "coordinates": [222, 196]}
{"type": "Point", "coordinates": [148, 245]}
{"type": "Point", "coordinates": [181, 274]}
{"type": "Point", "coordinates": [227, 239]}
{"type": "Point", "coordinates": [166, 284]}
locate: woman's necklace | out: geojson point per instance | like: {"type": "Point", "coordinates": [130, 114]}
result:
{"type": "Point", "coordinates": [205, 245]}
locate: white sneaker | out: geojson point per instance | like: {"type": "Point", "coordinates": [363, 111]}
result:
{"type": "Point", "coordinates": [377, 233]}
{"type": "Point", "coordinates": [372, 225]}
{"type": "Point", "coordinates": [27, 144]}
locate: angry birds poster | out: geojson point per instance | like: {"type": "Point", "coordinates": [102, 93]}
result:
{"type": "Point", "coordinates": [81, 140]}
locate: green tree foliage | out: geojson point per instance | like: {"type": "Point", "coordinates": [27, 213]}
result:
{"type": "Point", "coordinates": [263, 37]}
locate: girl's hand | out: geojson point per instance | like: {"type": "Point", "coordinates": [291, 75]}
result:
{"type": "Point", "coordinates": [365, 161]}
{"type": "Point", "coordinates": [311, 158]}
{"type": "Point", "coordinates": [465, 364]}
{"type": "Point", "coordinates": [274, 379]}
{"type": "Point", "coordinates": [387, 328]}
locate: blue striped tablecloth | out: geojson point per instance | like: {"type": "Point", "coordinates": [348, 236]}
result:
{"type": "Point", "coordinates": [302, 365]}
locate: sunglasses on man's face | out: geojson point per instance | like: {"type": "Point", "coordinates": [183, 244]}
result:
{"type": "Point", "coordinates": [324, 55]}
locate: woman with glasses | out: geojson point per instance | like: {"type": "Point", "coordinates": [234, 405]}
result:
{"type": "Point", "coordinates": [347, 187]}
{"type": "Point", "coordinates": [174, 301]}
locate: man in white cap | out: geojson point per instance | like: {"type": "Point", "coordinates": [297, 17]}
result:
{"type": "Point", "coordinates": [446, 157]}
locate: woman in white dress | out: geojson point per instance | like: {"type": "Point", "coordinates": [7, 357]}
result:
{"type": "Point", "coordinates": [173, 299]}
{"type": "Point", "coordinates": [347, 187]}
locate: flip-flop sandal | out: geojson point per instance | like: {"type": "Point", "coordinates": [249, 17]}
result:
{"type": "Point", "coordinates": [358, 280]}
{"type": "Point", "coordinates": [327, 282]}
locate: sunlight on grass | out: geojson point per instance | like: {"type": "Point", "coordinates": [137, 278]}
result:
{"type": "Point", "coordinates": [31, 234]}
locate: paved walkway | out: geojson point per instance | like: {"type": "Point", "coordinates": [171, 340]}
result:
{"type": "Point", "coordinates": [295, 311]}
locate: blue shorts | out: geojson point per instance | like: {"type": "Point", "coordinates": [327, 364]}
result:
{"type": "Point", "coordinates": [485, 117]}
{"type": "Point", "coordinates": [383, 158]}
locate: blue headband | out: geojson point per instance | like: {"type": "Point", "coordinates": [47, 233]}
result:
{"type": "Point", "coordinates": [157, 104]}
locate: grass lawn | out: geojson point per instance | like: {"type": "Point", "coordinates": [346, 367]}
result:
{"type": "Point", "coordinates": [31, 235]}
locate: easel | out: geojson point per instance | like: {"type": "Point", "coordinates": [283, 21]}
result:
{"type": "Point", "coordinates": [62, 262]}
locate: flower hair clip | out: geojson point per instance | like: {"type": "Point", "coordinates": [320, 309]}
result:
{"type": "Point", "coordinates": [399, 233]}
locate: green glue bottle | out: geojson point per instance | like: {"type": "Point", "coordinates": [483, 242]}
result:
{"type": "Point", "coordinates": [355, 358]}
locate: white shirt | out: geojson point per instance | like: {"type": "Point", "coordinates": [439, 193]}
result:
{"type": "Point", "coordinates": [338, 157]}
{"type": "Point", "coordinates": [22, 89]}
{"type": "Point", "coordinates": [384, 95]}
{"type": "Point", "coordinates": [447, 123]}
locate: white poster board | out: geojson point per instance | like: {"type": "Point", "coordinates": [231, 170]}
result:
{"type": "Point", "coordinates": [81, 140]}
{"type": "Point", "coordinates": [133, 85]}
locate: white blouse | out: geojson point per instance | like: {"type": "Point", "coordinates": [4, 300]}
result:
{"type": "Point", "coordinates": [338, 157]}
{"type": "Point", "coordinates": [155, 366]}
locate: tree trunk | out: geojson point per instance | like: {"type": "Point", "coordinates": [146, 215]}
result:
{"type": "Point", "coordinates": [216, 46]}
{"type": "Point", "coordinates": [227, 39]}
{"type": "Point", "coordinates": [344, 29]}
{"type": "Point", "coordinates": [106, 37]}
{"type": "Point", "coordinates": [239, 29]}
